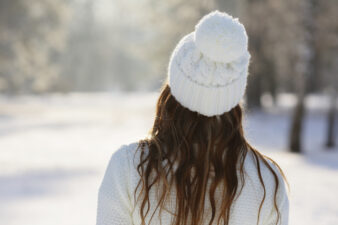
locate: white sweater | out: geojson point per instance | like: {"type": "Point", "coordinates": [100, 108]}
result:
{"type": "Point", "coordinates": [116, 204]}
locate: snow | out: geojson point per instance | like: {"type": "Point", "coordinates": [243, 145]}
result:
{"type": "Point", "coordinates": [55, 148]}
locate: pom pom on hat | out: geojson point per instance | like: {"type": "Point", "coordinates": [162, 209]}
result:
{"type": "Point", "coordinates": [208, 68]}
{"type": "Point", "coordinates": [221, 37]}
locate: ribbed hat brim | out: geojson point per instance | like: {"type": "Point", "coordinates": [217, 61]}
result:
{"type": "Point", "coordinates": [208, 101]}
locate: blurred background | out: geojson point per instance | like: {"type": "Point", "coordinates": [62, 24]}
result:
{"type": "Point", "coordinates": [79, 78]}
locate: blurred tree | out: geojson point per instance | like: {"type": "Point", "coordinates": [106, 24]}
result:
{"type": "Point", "coordinates": [316, 66]}
{"type": "Point", "coordinates": [327, 44]}
{"type": "Point", "coordinates": [166, 22]}
{"type": "Point", "coordinates": [305, 70]}
{"type": "Point", "coordinates": [82, 60]}
{"type": "Point", "coordinates": [31, 40]}
{"type": "Point", "coordinates": [263, 40]}
{"type": "Point", "coordinates": [101, 50]}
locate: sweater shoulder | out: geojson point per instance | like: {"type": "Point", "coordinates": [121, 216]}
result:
{"type": "Point", "coordinates": [119, 169]}
{"type": "Point", "coordinates": [125, 154]}
{"type": "Point", "coordinates": [127, 149]}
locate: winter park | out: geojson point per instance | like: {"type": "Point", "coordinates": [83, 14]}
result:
{"type": "Point", "coordinates": [79, 79]}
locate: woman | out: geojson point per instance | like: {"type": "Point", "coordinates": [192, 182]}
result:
{"type": "Point", "coordinates": [196, 167]}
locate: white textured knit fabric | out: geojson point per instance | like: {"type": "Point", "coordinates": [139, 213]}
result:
{"type": "Point", "coordinates": [221, 37]}
{"type": "Point", "coordinates": [116, 205]}
{"type": "Point", "coordinates": [208, 68]}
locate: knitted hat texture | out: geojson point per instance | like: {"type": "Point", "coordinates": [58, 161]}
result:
{"type": "Point", "coordinates": [208, 68]}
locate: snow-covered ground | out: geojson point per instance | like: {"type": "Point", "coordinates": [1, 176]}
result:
{"type": "Point", "coordinates": [54, 150]}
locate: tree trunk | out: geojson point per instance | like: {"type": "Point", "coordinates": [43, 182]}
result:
{"type": "Point", "coordinates": [306, 71]}
{"type": "Point", "coordinates": [254, 91]}
{"type": "Point", "coordinates": [297, 126]}
{"type": "Point", "coordinates": [330, 141]}
{"type": "Point", "coordinates": [254, 87]}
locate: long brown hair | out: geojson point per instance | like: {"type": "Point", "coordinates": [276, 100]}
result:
{"type": "Point", "coordinates": [221, 147]}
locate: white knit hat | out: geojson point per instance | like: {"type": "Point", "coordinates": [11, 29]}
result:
{"type": "Point", "coordinates": [208, 69]}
